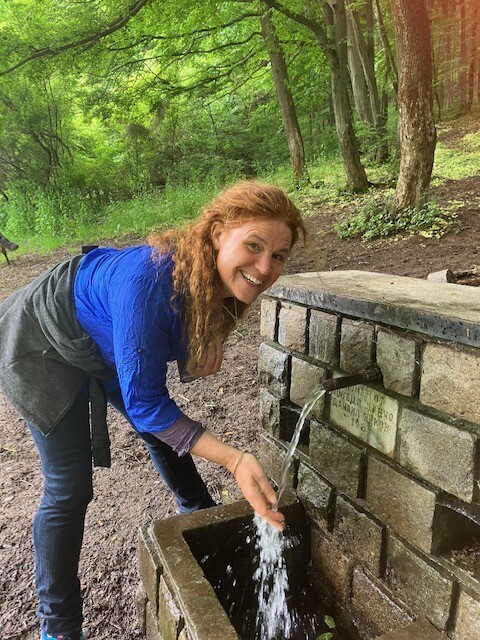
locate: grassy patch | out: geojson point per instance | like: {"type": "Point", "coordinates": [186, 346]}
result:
{"type": "Point", "coordinates": [457, 163]}
{"type": "Point", "coordinates": [137, 216]}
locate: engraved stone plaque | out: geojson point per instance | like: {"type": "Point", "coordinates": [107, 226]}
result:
{"type": "Point", "coordinates": [367, 414]}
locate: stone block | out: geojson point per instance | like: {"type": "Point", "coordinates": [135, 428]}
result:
{"type": "Point", "coordinates": [375, 605]}
{"type": "Point", "coordinates": [271, 455]}
{"type": "Point", "coordinates": [292, 327]}
{"type": "Point", "coordinates": [467, 626]}
{"type": "Point", "coordinates": [315, 494]}
{"type": "Point", "coordinates": [268, 319]}
{"type": "Point", "coordinates": [367, 414]}
{"type": "Point", "coordinates": [356, 346]}
{"type": "Point", "coordinates": [152, 630]}
{"type": "Point", "coordinates": [397, 360]}
{"type": "Point", "coordinates": [402, 503]}
{"type": "Point", "coordinates": [305, 377]}
{"type": "Point", "coordinates": [331, 561]}
{"type": "Point", "coordinates": [417, 582]}
{"type": "Point", "coordinates": [450, 381]}
{"type": "Point", "coordinates": [359, 533]}
{"type": "Point", "coordinates": [323, 343]}
{"type": "Point", "coordinates": [273, 369]}
{"type": "Point", "coordinates": [141, 601]}
{"type": "Point", "coordinates": [270, 412]}
{"type": "Point", "coordinates": [419, 630]}
{"type": "Point", "coordinates": [336, 458]}
{"type": "Point", "coordinates": [439, 453]}
{"type": "Point", "coordinates": [149, 566]}
{"type": "Point", "coordinates": [170, 620]}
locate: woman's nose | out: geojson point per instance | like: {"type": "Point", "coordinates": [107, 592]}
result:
{"type": "Point", "coordinates": [264, 265]}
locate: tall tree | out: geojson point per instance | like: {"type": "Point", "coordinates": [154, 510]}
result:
{"type": "Point", "coordinates": [332, 39]}
{"type": "Point", "coordinates": [415, 103]}
{"type": "Point", "coordinates": [464, 50]}
{"type": "Point", "coordinates": [284, 95]}
{"type": "Point", "coordinates": [362, 73]}
{"type": "Point", "coordinates": [473, 61]}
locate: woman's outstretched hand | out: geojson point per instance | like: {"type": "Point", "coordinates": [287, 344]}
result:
{"type": "Point", "coordinates": [248, 473]}
{"type": "Point", "coordinates": [256, 488]}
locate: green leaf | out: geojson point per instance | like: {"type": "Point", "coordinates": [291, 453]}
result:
{"type": "Point", "coordinates": [325, 636]}
{"type": "Point", "coordinates": [330, 622]}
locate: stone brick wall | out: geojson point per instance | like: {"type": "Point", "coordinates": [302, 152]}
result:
{"type": "Point", "coordinates": [389, 473]}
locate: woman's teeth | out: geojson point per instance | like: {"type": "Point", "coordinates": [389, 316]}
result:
{"type": "Point", "coordinates": [251, 279]}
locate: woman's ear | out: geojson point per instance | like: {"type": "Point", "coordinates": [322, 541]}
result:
{"type": "Point", "coordinates": [216, 233]}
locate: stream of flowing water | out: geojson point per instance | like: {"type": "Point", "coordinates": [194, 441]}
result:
{"type": "Point", "coordinates": [275, 616]}
{"type": "Point", "coordinates": [313, 398]}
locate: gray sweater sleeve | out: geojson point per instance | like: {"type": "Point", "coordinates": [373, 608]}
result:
{"type": "Point", "coordinates": [182, 435]}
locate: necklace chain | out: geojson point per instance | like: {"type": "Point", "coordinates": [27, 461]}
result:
{"type": "Point", "coordinates": [235, 317]}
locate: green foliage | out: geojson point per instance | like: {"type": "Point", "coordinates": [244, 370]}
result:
{"type": "Point", "coordinates": [45, 222]}
{"type": "Point", "coordinates": [328, 635]}
{"type": "Point", "coordinates": [138, 128]}
{"type": "Point", "coordinates": [374, 219]}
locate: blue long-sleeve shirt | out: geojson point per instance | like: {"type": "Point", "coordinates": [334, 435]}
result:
{"type": "Point", "coordinates": [123, 300]}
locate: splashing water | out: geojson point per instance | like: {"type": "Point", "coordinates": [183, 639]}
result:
{"type": "Point", "coordinates": [314, 397]}
{"type": "Point", "coordinates": [273, 615]}
{"type": "Point", "coordinates": [280, 616]}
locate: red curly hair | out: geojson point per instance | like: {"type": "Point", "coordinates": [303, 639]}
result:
{"type": "Point", "coordinates": [208, 317]}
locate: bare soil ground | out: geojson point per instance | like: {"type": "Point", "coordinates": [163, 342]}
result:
{"type": "Point", "coordinates": [130, 493]}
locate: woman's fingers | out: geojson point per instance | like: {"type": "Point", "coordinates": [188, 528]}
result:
{"type": "Point", "coordinates": [258, 491]}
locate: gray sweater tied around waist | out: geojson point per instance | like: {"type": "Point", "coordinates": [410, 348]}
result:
{"type": "Point", "coordinates": [46, 357]}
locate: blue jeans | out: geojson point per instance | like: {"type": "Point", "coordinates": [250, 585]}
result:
{"type": "Point", "coordinates": [59, 522]}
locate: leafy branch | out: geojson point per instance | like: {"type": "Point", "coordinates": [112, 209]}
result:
{"type": "Point", "coordinates": [86, 42]}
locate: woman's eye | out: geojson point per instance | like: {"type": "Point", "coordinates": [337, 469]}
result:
{"type": "Point", "coordinates": [254, 246]}
{"type": "Point", "coordinates": [279, 257]}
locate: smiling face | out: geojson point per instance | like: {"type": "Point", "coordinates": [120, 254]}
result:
{"type": "Point", "coordinates": [251, 256]}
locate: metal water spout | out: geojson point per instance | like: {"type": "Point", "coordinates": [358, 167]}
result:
{"type": "Point", "coordinates": [372, 374]}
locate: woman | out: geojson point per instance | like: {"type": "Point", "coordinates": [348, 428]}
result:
{"type": "Point", "coordinates": [102, 327]}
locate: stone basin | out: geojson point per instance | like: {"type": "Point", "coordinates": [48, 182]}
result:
{"type": "Point", "coordinates": [177, 602]}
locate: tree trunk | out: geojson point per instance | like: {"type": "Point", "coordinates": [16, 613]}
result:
{"type": "Point", "coordinates": [356, 176]}
{"type": "Point", "coordinates": [462, 79]}
{"type": "Point", "coordinates": [415, 103]}
{"type": "Point", "coordinates": [334, 49]}
{"type": "Point", "coordinates": [369, 31]}
{"type": "Point", "coordinates": [357, 78]}
{"type": "Point", "coordinates": [284, 95]}
{"type": "Point", "coordinates": [447, 58]}
{"type": "Point", "coordinates": [360, 45]}
{"type": "Point", "coordinates": [389, 58]}
{"type": "Point", "coordinates": [473, 54]}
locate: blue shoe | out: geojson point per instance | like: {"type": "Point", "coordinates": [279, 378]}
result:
{"type": "Point", "coordinates": [75, 636]}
